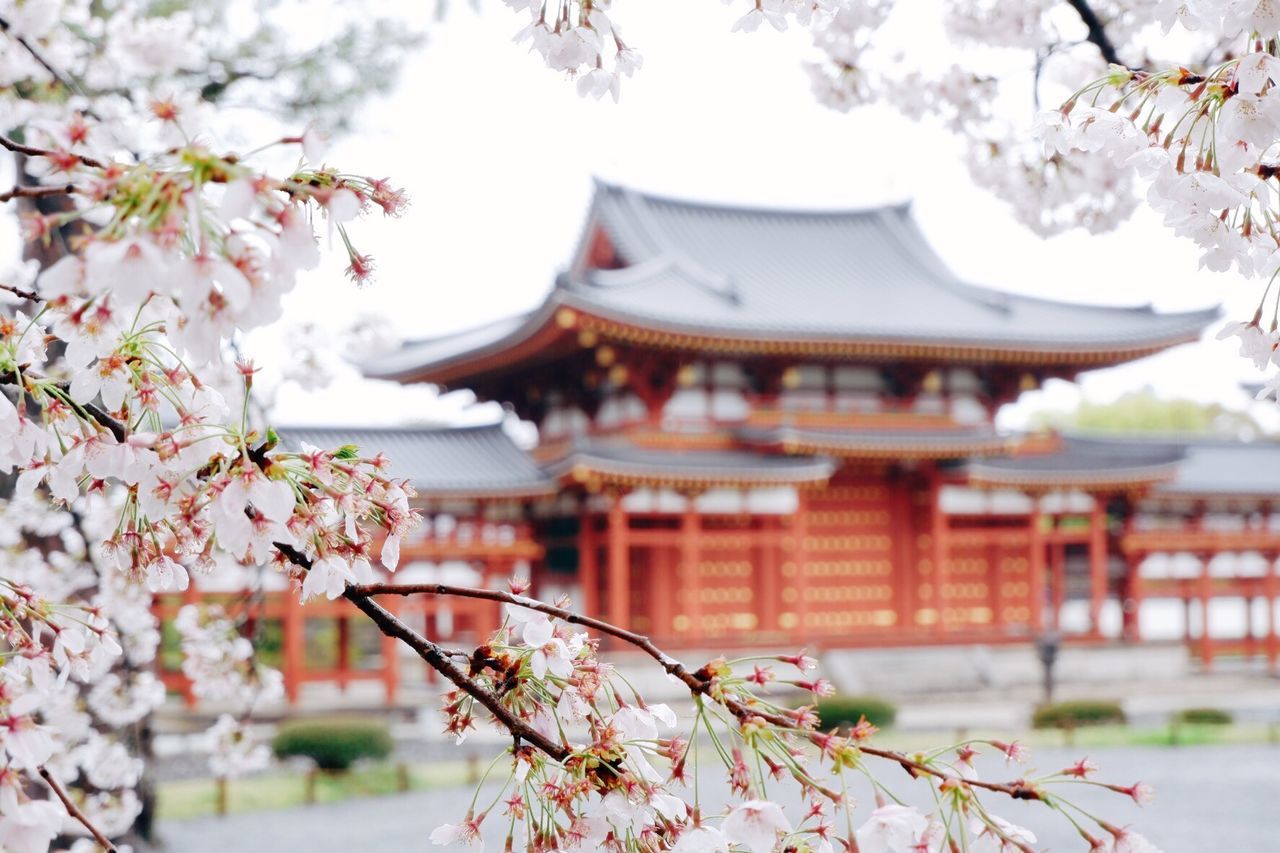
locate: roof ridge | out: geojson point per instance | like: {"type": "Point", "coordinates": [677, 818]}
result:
{"type": "Point", "coordinates": [746, 207]}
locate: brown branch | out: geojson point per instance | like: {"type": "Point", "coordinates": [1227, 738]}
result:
{"type": "Point", "coordinates": [36, 192]}
{"type": "Point", "coordinates": [20, 293]}
{"type": "Point", "coordinates": [699, 683]}
{"type": "Point", "coordinates": [1097, 32]}
{"type": "Point", "coordinates": [74, 811]}
{"type": "Point", "coordinates": [438, 659]}
{"type": "Point", "coordinates": [61, 79]}
{"type": "Point", "coordinates": [32, 151]}
{"type": "Point", "coordinates": [96, 414]}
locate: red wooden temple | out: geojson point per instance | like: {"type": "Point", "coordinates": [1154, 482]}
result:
{"type": "Point", "coordinates": [777, 427]}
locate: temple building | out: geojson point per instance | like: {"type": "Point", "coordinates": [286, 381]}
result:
{"type": "Point", "coordinates": [776, 427]}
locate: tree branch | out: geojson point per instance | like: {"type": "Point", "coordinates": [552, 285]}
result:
{"type": "Point", "coordinates": [699, 683]}
{"type": "Point", "coordinates": [1097, 32]}
{"type": "Point", "coordinates": [20, 191]}
{"type": "Point", "coordinates": [30, 295]}
{"type": "Point", "coordinates": [438, 659]}
{"type": "Point", "coordinates": [93, 412]}
{"type": "Point", "coordinates": [74, 811]}
{"type": "Point", "coordinates": [57, 75]}
{"type": "Point", "coordinates": [32, 151]}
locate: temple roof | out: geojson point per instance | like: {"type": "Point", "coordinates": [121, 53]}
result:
{"type": "Point", "coordinates": [1173, 466]}
{"type": "Point", "coordinates": [866, 443]}
{"type": "Point", "coordinates": [1083, 463]}
{"type": "Point", "coordinates": [472, 462]}
{"type": "Point", "coordinates": [621, 462]}
{"type": "Point", "coordinates": [856, 283]}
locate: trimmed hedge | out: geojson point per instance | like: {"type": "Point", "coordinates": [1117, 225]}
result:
{"type": "Point", "coordinates": [1080, 712]}
{"type": "Point", "coordinates": [846, 711]}
{"type": "Point", "coordinates": [1204, 716]}
{"type": "Point", "coordinates": [333, 744]}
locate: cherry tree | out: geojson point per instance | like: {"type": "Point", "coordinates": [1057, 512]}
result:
{"type": "Point", "coordinates": [125, 405]}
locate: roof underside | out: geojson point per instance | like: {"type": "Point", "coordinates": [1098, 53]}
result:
{"type": "Point", "coordinates": [741, 274]}
{"type": "Point", "coordinates": [622, 461]}
{"type": "Point", "coordinates": [443, 462]}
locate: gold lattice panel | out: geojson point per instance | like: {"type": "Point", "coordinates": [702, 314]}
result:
{"type": "Point", "coordinates": [848, 578]}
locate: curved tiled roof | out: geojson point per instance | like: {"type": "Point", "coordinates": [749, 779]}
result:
{"type": "Point", "coordinates": [740, 277]}
{"type": "Point", "coordinates": [882, 443]}
{"type": "Point", "coordinates": [623, 462]}
{"type": "Point", "coordinates": [1176, 466]}
{"type": "Point", "coordinates": [474, 461]}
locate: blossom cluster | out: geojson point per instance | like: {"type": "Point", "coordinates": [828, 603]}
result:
{"type": "Point", "coordinates": [1202, 142]}
{"type": "Point", "coordinates": [595, 766]}
{"type": "Point", "coordinates": [110, 367]}
{"type": "Point", "coordinates": [78, 676]}
{"type": "Point", "coordinates": [579, 38]}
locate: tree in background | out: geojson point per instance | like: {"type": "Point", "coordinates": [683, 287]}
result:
{"type": "Point", "coordinates": [1146, 412]}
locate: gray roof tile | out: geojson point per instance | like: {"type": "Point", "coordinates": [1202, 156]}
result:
{"type": "Point", "coordinates": [475, 461]}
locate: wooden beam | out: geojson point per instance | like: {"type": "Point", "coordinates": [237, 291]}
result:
{"type": "Point", "coordinates": [800, 557]}
{"type": "Point", "coordinates": [768, 581]}
{"type": "Point", "coordinates": [294, 638]}
{"type": "Point", "coordinates": [941, 553]}
{"type": "Point", "coordinates": [618, 577]}
{"type": "Point", "coordinates": [691, 566]}
{"type": "Point", "coordinates": [1035, 566]}
{"type": "Point", "coordinates": [1270, 584]}
{"type": "Point", "coordinates": [588, 562]}
{"type": "Point", "coordinates": [1097, 563]}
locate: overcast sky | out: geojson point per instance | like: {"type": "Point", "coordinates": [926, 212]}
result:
{"type": "Point", "coordinates": [498, 154]}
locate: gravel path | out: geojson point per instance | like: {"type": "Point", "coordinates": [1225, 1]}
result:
{"type": "Point", "coordinates": [1210, 799]}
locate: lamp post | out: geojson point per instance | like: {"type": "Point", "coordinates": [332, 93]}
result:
{"type": "Point", "coordinates": [1047, 645]}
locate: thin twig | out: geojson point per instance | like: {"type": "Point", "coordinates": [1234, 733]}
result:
{"type": "Point", "coordinates": [699, 683]}
{"type": "Point", "coordinates": [39, 57]}
{"type": "Point", "coordinates": [36, 192]}
{"type": "Point", "coordinates": [20, 293]}
{"type": "Point", "coordinates": [32, 151]}
{"type": "Point", "coordinates": [96, 414]}
{"type": "Point", "coordinates": [438, 659]}
{"type": "Point", "coordinates": [74, 811]}
{"type": "Point", "coordinates": [1097, 31]}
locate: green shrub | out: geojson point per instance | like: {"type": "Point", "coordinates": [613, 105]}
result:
{"type": "Point", "coordinates": [1203, 716]}
{"type": "Point", "coordinates": [1080, 712]}
{"type": "Point", "coordinates": [845, 711]}
{"type": "Point", "coordinates": [333, 744]}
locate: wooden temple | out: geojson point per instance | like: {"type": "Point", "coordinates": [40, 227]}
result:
{"type": "Point", "coordinates": [776, 427]}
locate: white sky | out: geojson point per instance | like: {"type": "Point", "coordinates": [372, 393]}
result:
{"type": "Point", "coordinates": [498, 154]}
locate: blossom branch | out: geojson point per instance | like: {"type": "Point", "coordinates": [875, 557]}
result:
{"type": "Point", "coordinates": [74, 811]}
{"type": "Point", "coordinates": [115, 427]}
{"type": "Point", "coordinates": [36, 192]}
{"type": "Point", "coordinates": [1097, 32]}
{"type": "Point", "coordinates": [33, 151]}
{"type": "Point", "coordinates": [39, 57]}
{"type": "Point", "coordinates": [438, 659]}
{"type": "Point", "coordinates": [699, 682]}
{"type": "Point", "coordinates": [19, 292]}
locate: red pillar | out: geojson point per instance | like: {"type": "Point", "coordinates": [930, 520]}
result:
{"type": "Point", "coordinates": [293, 625]}
{"type": "Point", "coordinates": [691, 567]}
{"type": "Point", "coordinates": [588, 564]}
{"type": "Point", "coordinates": [344, 652]}
{"type": "Point", "coordinates": [391, 656]}
{"type": "Point", "coordinates": [1205, 592]}
{"type": "Point", "coordinates": [1035, 566]}
{"type": "Point", "coordinates": [768, 588]}
{"type": "Point", "coordinates": [1269, 586]}
{"type": "Point", "coordinates": [941, 555]}
{"type": "Point", "coordinates": [1058, 593]}
{"type": "Point", "coordinates": [1133, 587]}
{"type": "Point", "coordinates": [901, 529]}
{"type": "Point", "coordinates": [1097, 562]}
{"type": "Point", "coordinates": [800, 556]}
{"type": "Point", "coordinates": [618, 577]}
